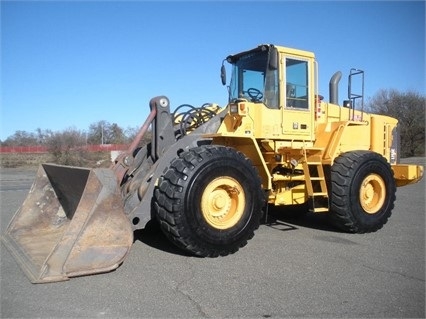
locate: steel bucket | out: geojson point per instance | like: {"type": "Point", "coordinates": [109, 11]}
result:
{"type": "Point", "coordinates": [72, 223]}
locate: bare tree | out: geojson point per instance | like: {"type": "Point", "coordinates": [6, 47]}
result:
{"type": "Point", "coordinates": [43, 136]}
{"type": "Point", "coordinates": [409, 109]}
{"type": "Point", "coordinates": [21, 138]}
{"type": "Point", "coordinates": [117, 135]}
{"type": "Point", "coordinates": [131, 133]}
{"type": "Point", "coordinates": [67, 146]}
{"type": "Point", "coordinates": [98, 133]}
{"type": "Point", "coordinates": [103, 132]}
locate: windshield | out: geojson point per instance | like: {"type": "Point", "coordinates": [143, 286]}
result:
{"type": "Point", "coordinates": [253, 80]}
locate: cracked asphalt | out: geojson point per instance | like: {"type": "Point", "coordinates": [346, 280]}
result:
{"type": "Point", "coordinates": [289, 269]}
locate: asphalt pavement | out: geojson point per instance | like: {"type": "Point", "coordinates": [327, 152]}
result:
{"type": "Point", "coordinates": [290, 269]}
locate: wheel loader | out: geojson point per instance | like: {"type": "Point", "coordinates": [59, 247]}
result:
{"type": "Point", "coordinates": [210, 173]}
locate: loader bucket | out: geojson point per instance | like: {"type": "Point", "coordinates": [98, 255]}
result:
{"type": "Point", "coordinates": [72, 223]}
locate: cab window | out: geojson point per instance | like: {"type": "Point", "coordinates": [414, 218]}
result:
{"type": "Point", "coordinates": [296, 83]}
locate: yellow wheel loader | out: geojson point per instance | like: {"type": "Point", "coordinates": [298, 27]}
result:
{"type": "Point", "coordinates": [209, 173]}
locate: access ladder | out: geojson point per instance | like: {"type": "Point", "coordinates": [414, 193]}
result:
{"type": "Point", "coordinates": [316, 185]}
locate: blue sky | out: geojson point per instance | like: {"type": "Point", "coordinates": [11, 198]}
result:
{"type": "Point", "coordinates": [71, 64]}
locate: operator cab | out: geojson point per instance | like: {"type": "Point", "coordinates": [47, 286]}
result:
{"type": "Point", "coordinates": [254, 76]}
{"type": "Point", "coordinates": [275, 78]}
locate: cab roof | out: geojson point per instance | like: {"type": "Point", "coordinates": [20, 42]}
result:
{"type": "Point", "coordinates": [267, 47]}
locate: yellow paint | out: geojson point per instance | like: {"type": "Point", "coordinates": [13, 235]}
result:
{"type": "Point", "coordinates": [372, 193]}
{"type": "Point", "coordinates": [223, 202]}
{"type": "Point", "coordinates": [279, 141]}
{"type": "Point", "coordinates": [407, 174]}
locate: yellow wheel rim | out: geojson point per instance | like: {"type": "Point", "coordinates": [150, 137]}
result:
{"type": "Point", "coordinates": [372, 194]}
{"type": "Point", "coordinates": [223, 202]}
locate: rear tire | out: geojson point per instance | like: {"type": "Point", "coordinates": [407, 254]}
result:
{"type": "Point", "coordinates": [209, 201]}
{"type": "Point", "coordinates": [362, 192]}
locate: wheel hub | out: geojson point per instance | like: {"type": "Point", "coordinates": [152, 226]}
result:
{"type": "Point", "coordinates": [219, 199]}
{"type": "Point", "coordinates": [223, 202]}
{"type": "Point", "coordinates": [372, 193]}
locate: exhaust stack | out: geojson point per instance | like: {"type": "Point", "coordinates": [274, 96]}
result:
{"type": "Point", "coordinates": [334, 87]}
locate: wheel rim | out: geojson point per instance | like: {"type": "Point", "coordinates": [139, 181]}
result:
{"type": "Point", "coordinates": [372, 193]}
{"type": "Point", "coordinates": [223, 202]}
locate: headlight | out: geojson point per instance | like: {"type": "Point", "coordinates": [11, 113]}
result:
{"type": "Point", "coordinates": [233, 108]}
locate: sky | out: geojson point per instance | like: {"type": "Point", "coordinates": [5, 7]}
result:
{"type": "Point", "coordinates": [69, 64]}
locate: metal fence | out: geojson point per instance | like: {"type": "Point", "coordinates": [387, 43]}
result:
{"type": "Point", "coordinates": [44, 149]}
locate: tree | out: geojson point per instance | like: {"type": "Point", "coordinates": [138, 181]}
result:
{"type": "Point", "coordinates": [409, 109]}
{"type": "Point", "coordinates": [103, 132]}
{"type": "Point", "coordinates": [21, 138]}
{"type": "Point", "coordinates": [67, 146]}
{"type": "Point", "coordinates": [132, 132]}
{"type": "Point", "coordinates": [117, 135]}
{"type": "Point", "coordinates": [43, 136]}
{"type": "Point", "coordinates": [98, 133]}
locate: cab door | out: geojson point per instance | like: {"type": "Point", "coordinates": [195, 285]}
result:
{"type": "Point", "coordinates": [298, 98]}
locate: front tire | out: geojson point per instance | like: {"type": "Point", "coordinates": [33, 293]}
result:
{"type": "Point", "coordinates": [362, 192]}
{"type": "Point", "coordinates": [209, 201]}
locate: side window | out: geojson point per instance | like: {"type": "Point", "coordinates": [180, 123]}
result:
{"type": "Point", "coordinates": [296, 83]}
{"type": "Point", "coordinates": [271, 99]}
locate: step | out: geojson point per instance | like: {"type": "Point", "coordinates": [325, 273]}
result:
{"type": "Point", "coordinates": [314, 163]}
{"type": "Point", "coordinates": [317, 178]}
{"type": "Point", "coordinates": [319, 210]}
{"type": "Point", "coordinates": [324, 194]}
{"type": "Point", "coordinates": [315, 149]}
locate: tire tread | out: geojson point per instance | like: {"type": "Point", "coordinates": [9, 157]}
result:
{"type": "Point", "coordinates": [169, 198]}
{"type": "Point", "coordinates": [342, 174]}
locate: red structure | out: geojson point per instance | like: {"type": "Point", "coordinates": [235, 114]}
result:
{"type": "Point", "coordinates": [44, 149]}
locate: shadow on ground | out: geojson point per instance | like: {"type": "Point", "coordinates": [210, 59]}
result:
{"type": "Point", "coordinates": [278, 218]}
{"type": "Point", "coordinates": [296, 216]}
{"type": "Point", "coordinates": [152, 236]}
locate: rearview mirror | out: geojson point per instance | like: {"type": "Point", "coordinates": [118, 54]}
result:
{"type": "Point", "coordinates": [223, 74]}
